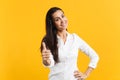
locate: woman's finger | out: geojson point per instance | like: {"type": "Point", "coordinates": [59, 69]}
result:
{"type": "Point", "coordinates": [78, 74]}
{"type": "Point", "coordinates": [44, 46]}
{"type": "Point", "coordinates": [45, 56]}
{"type": "Point", "coordinates": [48, 51]}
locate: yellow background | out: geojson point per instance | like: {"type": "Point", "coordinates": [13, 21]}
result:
{"type": "Point", "coordinates": [22, 26]}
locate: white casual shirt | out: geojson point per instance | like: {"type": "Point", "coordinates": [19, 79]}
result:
{"type": "Point", "coordinates": [68, 53]}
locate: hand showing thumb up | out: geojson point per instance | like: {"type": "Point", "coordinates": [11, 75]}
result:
{"type": "Point", "coordinates": [46, 54]}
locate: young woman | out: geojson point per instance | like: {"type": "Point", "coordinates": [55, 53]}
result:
{"type": "Point", "coordinates": [59, 49]}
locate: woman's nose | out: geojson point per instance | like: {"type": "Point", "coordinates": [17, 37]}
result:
{"type": "Point", "coordinates": [62, 20]}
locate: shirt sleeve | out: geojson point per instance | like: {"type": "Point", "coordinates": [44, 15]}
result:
{"type": "Point", "coordinates": [85, 48]}
{"type": "Point", "coordinates": [52, 62]}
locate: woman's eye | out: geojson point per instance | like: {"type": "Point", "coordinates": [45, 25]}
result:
{"type": "Point", "coordinates": [56, 19]}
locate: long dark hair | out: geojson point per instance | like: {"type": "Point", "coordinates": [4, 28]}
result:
{"type": "Point", "coordinates": [50, 38]}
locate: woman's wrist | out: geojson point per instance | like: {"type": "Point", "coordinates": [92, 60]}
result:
{"type": "Point", "coordinates": [88, 71]}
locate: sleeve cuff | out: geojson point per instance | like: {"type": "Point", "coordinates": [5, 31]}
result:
{"type": "Point", "coordinates": [94, 62]}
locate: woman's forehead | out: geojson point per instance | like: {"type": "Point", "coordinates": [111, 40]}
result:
{"type": "Point", "coordinates": [57, 13]}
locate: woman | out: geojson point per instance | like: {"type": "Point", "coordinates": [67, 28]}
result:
{"type": "Point", "coordinates": [59, 49]}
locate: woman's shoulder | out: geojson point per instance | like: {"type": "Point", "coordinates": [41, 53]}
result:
{"type": "Point", "coordinates": [74, 34]}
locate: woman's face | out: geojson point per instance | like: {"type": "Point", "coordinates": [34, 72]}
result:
{"type": "Point", "coordinates": [60, 21]}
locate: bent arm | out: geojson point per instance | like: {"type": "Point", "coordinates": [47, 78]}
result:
{"type": "Point", "coordinates": [86, 49]}
{"type": "Point", "coordinates": [94, 58]}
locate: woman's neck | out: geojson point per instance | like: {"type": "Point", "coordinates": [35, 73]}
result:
{"type": "Point", "coordinates": [62, 34]}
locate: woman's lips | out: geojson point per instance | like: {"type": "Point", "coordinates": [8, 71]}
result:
{"type": "Point", "coordinates": [63, 25]}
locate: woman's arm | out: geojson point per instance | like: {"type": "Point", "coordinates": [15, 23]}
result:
{"type": "Point", "coordinates": [89, 51]}
{"type": "Point", "coordinates": [94, 58]}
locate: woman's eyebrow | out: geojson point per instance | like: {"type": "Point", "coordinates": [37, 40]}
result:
{"type": "Point", "coordinates": [56, 18]}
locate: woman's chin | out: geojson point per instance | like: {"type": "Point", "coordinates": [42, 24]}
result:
{"type": "Point", "coordinates": [64, 29]}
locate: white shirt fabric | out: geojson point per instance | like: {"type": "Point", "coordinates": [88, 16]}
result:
{"type": "Point", "coordinates": [68, 53]}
